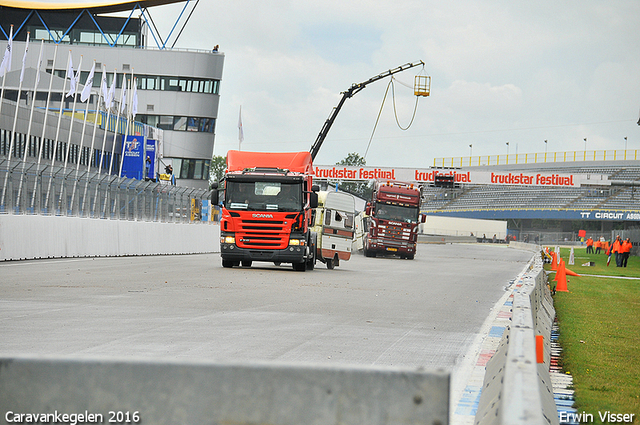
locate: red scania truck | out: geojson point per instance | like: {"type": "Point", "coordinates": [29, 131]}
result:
{"type": "Point", "coordinates": [392, 223]}
{"type": "Point", "coordinates": [267, 209]}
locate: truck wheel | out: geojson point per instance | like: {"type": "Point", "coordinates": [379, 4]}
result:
{"type": "Point", "coordinates": [277, 263]}
{"type": "Point", "coordinates": [410, 256]}
{"type": "Point", "coordinates": [246, 263]}
{"type": "Point", "coordinates": [227, 264]}
{"type": "Point", "coordinates": [313, 241]}
{"type": "Point", "coordinates": [300, 267]}
{"type": "Point", "coordinates": [330, 263]}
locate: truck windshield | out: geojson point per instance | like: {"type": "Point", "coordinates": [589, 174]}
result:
{"type": "Point", "coordinates": [263, 196]}
{"type": "Point", "coordinates": [397, 213]}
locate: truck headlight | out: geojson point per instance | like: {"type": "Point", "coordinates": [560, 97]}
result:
{"type": "Point", "coordinates": [228, 239]}
{"type": "Point", "coordinates": [296, 241]}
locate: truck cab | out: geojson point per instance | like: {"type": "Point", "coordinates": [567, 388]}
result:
{"type": "Point", "coordinates": [391, 220]}
{"type": "Point", "coordinates": [267, 210]}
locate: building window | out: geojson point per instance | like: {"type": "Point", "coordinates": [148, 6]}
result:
{"type": "Point", "coordinates": [176, 123]}
{"type": "Point", "coordinates": [195, 169]}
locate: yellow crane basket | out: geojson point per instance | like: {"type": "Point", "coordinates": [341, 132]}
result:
{"type": "Point", "coordinates": [422, 85]}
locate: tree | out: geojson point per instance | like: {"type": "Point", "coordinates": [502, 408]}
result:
{"type": "Point", "coordinates": [358, 188]}
{"type": "Point", "coordinates": [216, 172]}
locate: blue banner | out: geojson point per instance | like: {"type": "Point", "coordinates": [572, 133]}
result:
{"type": "Point", "coordinates": [133, 159]}
{"type": "Point", "coordinates": [594, 215]}
{"type": "Point", "coordinates": [150, 161]}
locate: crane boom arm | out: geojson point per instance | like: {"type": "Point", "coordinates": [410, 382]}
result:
{"type": "Point", "coordinates": [355, 88]}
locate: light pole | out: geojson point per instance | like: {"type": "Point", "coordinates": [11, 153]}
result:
{"type": "Point", "coordinates": [507, 148]}
{"type": "Point", "coordinates": [471, 149]}
{"type": "Point", "coordinates": [545, 147]}
{"type": "Point", "coordinates": [585, 148]}
{"type": "Point", "coordinates": [625, 144]}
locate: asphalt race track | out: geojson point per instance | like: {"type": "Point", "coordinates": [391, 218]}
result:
{"type": "Point", "coordinates": [368, 311]}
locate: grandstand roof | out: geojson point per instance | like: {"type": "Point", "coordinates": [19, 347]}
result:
{"type": "Point", "coordinates": [94, 7]}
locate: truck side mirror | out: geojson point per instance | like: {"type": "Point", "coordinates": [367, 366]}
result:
{"type": "Point", "coordinates": [423, 218]}
{"type": "Point", "coordinates": [313, 200]}
{"type": "Point", "coordinates": [214, 194]}
{"type": "Point", "coordinates": [367, 209]}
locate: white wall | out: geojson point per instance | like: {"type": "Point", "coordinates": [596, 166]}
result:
{"type": "Point", "coordinates": [456, 226]}
{"type": "Point", "coordinates": [33, 236]}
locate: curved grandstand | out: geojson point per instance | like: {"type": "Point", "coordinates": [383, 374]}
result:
{"type": "Point", "coordinates": [606, 192]}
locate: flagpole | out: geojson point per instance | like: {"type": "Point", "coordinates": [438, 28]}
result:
{"type": "Point", "coordinates": [240, 129]}
{"type": "Point", "coordinates": [126, 131]}
{"type": "Point", "coordinates": [15, 121]}
{"type": "Point", "coordinates": [86, 94]}
{"type": "Point", "coordinates": [74, 89]}
{"type": "Point", "coordinates": [115, 136]}
{"type": "Point", "coordinates": [128, 115]}
{"type": "Point", "coordinates": [44, 126]}
{"type": "Point", "coordinates": [93, 136]}
{"type": "Point", "coordinates": [5, 67]}
{"type": "Point", "coordinates": [115, 133]}
{"type": "Point", "coordinates": [107, 106]}
{"type": "Point", "coordinates": [28, 142]}
{"type": "Point", "coordinates": [55, 140]}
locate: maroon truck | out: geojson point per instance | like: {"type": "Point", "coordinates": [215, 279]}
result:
{"type": "Point", "coordinates": [392, 223]}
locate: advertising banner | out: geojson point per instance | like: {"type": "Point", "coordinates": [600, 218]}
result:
{"type": "Point", "coordinates": [133, 159]}
{"type": "Point", "coordinates": [511, 178]}
{"type": "Point", "coordinates": [205, 210]}
{"type": "Point", "coordinates": [150, 160]}
{"type": "Point", "coordinates": [598, 215]}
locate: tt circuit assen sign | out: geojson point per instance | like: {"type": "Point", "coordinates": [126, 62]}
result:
{"type": "Point", "coordinates": [510, 178]}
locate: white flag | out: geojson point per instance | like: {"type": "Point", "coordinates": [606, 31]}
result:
{"type": "Point", "coordinates": [108, 100]}
{"type": "Point", "coordinates": [103, 84]}
{"type": "Point", "coordinates": [6, 59]}
{"type": "Point", "coordinates": [24, 58]}
{"type": "Point", "coordinates": [134, 106]}
{"type": "Point", "coordinates": [39, 63]}
{"type": "Point", "coordinates": [86, 91]}
{"type": "Point", "coordinates": [123, 94]}
{"type": "Point", "coordinates": [240, 132]}
{"type": "Point", "coordinates": [71, 74]}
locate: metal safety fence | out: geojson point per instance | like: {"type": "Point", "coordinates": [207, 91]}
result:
{"type": "Point", "coordinates": [46, 190]}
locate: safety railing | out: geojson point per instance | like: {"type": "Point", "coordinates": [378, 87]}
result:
{"type": "Point", "coordinates": [46, 190]}
{"type": "Point", "coordinates": [538, 158]}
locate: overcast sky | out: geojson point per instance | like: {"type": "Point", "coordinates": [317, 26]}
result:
{"type": "Point", "coordinates": [502, 71]}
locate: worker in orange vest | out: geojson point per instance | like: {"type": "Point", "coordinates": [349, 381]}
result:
{"type": "Point", "coordinates": [598, 245]}
{"type": "Point", "coordinates": [589, 246]}
{"type": "Point", "coordinates": [615, 249]}
{"type": "Point", "coordinates": [625, 249]}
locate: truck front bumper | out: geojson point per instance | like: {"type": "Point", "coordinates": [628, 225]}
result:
{"type": "Point", "coordinates": [291, 254]}
{"type": "Point", "coordinates": [391, 246]}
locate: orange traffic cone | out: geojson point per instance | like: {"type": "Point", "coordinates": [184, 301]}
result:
{"type": "Point", "coordinates": [561, 277]}
{"type": "Point", "coordinates": [570, 273]}
{"type": "Point", "coordinates": [554, 261]}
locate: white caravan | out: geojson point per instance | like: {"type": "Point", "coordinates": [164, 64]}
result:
{"type": "Point", "coordinates": [334, 225]}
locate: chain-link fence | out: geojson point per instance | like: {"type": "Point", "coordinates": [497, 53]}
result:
{"type": "Point", "coordinates": [26, 188]}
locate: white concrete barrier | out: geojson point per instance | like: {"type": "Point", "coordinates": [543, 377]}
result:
{"type": "Point", "coordinates": [517, 389]}
{"type": "Point", "coordinates": [34, 236]}
{"type": "Point", "coordinates": [157, 393]}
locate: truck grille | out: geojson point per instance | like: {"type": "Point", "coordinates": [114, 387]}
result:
{"type": "Point", "coordinates": [393, 232]}
{"type": "Point", "coordinates": [262, 234]}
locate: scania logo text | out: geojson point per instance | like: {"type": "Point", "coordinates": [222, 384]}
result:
{"type": "Point", "coordinates": [262, 215]}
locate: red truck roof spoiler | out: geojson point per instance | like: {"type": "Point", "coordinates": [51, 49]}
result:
{"type": "Point", "coordinates": [293, 161]}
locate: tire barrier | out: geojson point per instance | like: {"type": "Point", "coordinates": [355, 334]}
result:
{"type": "Point", "coordinates": [517, 389]}
{"type": "Point", "coordinates": [157, 393]}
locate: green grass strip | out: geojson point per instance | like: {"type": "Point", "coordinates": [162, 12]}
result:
{"type": "Point", "coordinates": [599, 320]}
